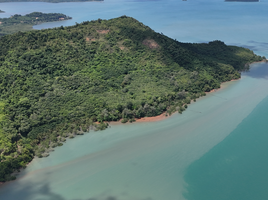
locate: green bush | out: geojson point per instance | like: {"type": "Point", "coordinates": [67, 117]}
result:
{"type": "Point", "coordinates": [124, 120]}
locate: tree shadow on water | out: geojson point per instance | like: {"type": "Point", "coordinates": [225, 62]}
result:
{"type": "Point", "coordinates": [32, 191]}
{"type": "Point", "coordinates": [258, 72]}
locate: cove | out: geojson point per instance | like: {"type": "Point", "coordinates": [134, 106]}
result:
{"type": "Point", "coordinates": [156, 160]}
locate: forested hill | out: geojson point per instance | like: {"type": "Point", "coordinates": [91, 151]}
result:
{"type": "Point", "coordinates": [55, 83]}
{"type": "Point", "coordinates": [17, 23]}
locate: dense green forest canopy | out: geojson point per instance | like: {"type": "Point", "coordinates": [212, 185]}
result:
{"type": "Point", "coordinates": [55, 83]}
{"type": "Point", "coordinates": [17, 23]}
{"type": "Point", "coordinates": [50, 1]}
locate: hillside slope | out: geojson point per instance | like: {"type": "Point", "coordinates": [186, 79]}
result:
{"type": "Point", "coordinates": [55, 83]}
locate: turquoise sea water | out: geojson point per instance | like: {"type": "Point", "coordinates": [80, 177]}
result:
{"type": "Point", "coordinates": [236, 168]}
{"type": "Point", "coordinates": [215, 150]}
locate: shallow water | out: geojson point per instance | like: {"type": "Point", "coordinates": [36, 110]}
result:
{"type": "Point", "coordinates": [236, 168]}
{"type": "Point", "coordinates": [214, 150]}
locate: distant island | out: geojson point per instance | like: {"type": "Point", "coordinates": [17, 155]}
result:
{"type": "Point", "coordinates": [62, 82]}
{"type": "Point", "coordinates": [242, 0]}
{"type": "Point", "coordinates": [17, 23]}
{"type": "Point", "coordinates": [1, 11]}
{"type": "Point", "coordinates": [50, 1]}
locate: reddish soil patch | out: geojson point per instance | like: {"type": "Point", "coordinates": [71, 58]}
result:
{"type": "Point", "coordinates": [122, 48]}
{"type": "Point", "coordinates": [150, 43]}
{"type": "Point", "coordinates": [144, 119]}
{"type": "Point", "coordinates": [215, 90]}
{"type": "Point", "coordinates": [90, 39]}
{"type": "Point", "coordinates": [152, 119]}
{"type": "Point", "coordinates": [103, 31]}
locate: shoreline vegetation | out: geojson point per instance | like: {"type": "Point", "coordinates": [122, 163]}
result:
{"type": "Point", "coordinates": [62, 82]}
{"type": "Point", "coordinates": [165, 115]}
{"type": "Point", "coordinates": [24, 23]}
{"type": "Point", "coordinates": [48, 1]}
{"type": "Point", "coordinates": [160, 117]}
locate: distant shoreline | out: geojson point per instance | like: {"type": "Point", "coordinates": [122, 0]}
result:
{"type": "Point", "coordinates": [259, 61]}
{"type": "Point", "coordinates": [24, 23]}
{"type": "Point", "coordinates": [47, 1]}
{"type": "Point", "coordinates": [242, 1]}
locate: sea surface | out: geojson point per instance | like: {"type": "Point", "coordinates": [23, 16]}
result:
{"type": "Point", "coordinates": [216, 150]}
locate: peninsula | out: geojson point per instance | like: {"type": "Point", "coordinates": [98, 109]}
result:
{"type": "Point", "coordinates": [57, 83]}
{"type": "Point", "coordinates": [17, 23]}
